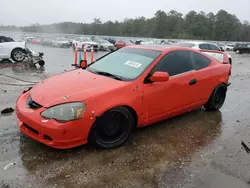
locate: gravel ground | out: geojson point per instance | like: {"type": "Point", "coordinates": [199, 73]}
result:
{"type": "Point", "coordinates": [199, 149]}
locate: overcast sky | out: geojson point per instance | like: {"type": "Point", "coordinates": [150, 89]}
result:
{"type": "Point", "coordinates": [25, 12]}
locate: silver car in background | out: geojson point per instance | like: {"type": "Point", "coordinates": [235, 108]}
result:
{"type": "Point", "coordinates": [104, 45]}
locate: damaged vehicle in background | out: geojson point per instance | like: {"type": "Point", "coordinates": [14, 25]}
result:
{"type": "Point", "coordinates": [11, 49]}
{"type": "Point", "coordinates": [61, 42]}
{"type": "Point", "coordinates": [79, 42]}
{"type": "Point", "coordinates": [104, 45]}
{"type": "Point", "coordinates": [18, 52]}
{"type": "Point", "coordinates": [147, 84]}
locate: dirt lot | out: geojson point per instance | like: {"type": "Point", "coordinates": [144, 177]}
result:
{"type": "Point", "coordinates": [199, 149]}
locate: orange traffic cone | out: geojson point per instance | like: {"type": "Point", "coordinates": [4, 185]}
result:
{"type": "Point", "coordinates": [92, 54]}
{"type": "Point", "coordinates": [84, 52]}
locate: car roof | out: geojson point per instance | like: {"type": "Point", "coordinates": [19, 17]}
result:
{"type": "Point", "coordinates": [160, 47]}
{"type": "Point", "coordinates": [199, 42]}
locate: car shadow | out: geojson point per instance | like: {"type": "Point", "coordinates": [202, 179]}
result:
{"type": "Point", "coordinates": [171, 139]}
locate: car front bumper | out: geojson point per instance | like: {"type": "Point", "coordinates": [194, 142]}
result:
{"type": "Point", "coordinates": [50, 132]}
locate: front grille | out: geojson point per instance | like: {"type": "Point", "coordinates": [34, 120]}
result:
{"type": "Point", "coordinates": [31, 129]}
{"type": "Point", "coordinates": [32, 104]}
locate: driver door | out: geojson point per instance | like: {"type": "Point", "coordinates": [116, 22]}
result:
{"type": "Point", "coordinates": [175, 96]}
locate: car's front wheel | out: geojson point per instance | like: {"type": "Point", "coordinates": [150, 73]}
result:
{"type": "Point", "coordinates": [112, 129]}
{"type": "Point", "coordinates": [17, 55]}
{"type": "Point", "coordinates": [217, 98]}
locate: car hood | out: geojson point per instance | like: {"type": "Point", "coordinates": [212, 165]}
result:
{"type": "Point", "coordinates": [76, 85]}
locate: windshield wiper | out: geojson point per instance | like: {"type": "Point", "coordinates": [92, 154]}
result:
{"type": "Point", "coordinates": [107, 74]}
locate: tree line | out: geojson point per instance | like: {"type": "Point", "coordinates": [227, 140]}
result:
{"type": "Point", "coordinates": [222, 26]}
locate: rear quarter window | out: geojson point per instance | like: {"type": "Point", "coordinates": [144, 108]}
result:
{"type": "Point", "coordinates": [200, 61]}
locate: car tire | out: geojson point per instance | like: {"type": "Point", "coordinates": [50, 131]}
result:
{"type": "Point", "coordinates": [18, 55]}
{"type": "Point", "coordinates": [112, 129]}
{"type": "Point", "coordinates": [237, 51]}
{"type": "Point", "coordinates": [217, 98]}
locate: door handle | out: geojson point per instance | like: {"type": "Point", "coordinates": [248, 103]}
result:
{"type": "Point", "coordinates": [192, 82]}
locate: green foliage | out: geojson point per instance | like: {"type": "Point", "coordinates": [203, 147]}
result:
{"type": "Point", "coordinates": [222, 26]}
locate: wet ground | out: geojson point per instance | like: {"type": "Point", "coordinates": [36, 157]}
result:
{"type": "Point", "coordinates": [199, 149]}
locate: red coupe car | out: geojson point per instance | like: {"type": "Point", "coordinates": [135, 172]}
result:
{"type": "Point", "coordinates": [132, 87]}
{"type": "Point", "coordinates": [122, 43]}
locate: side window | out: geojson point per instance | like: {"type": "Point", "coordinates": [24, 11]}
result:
{"type": "Point", "coordinates": [174, 63]}
{"type": "Point", "coordinates": [213, 47]}
{"type": "Point", "coordinates": [204, 46]}
{"type": "Point", "coordinates": [2, 40]}
{"type": "Point", "coordinates": [200, 61]}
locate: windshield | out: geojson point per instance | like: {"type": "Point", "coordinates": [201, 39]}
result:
{"type": "Point", "coordinates": [127, 63]}
{"type": "Point", "coordinates": [218, 56]}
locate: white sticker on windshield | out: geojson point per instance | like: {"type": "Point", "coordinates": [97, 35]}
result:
{"type": "Point", "coordinates": [133, 64]}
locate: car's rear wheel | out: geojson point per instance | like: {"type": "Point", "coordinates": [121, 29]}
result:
{"type": "Point", "coordinates": [17, 55]}
{"type": "Point", "coordinates": [238, 52]}
{"type": "Point", "coordinates": [217, 98]}
{"type": "Point", "coordinates": [112, 129]}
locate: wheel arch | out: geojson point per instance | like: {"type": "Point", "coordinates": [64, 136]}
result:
{"type": "Point", "coordinates": [130, 109]}
{"type": "Point", "coordinates": [222, 83]}
{"type": "Point", "coordinates": [17, 48]}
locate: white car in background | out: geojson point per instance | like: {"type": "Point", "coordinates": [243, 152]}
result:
{"type": "Point", "coordinates": [11, 49]}
{"type": "Point", "coordinates": [104, 45]}
{"type": "Point", "coordinates": [202, 45]}
{"type": "Point", "coordinates": [61, 42]}
{"type": "Point", "coordinates": [226, 47]}
{"type": "Point", "coordinates": [79, 42]}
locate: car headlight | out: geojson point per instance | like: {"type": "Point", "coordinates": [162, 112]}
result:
{"type": "Point", "coordinates": [65, 112]}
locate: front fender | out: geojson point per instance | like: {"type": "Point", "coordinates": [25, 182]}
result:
{"type": "Point", "coordinates": [99, 105]}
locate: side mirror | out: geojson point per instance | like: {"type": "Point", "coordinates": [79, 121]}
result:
{"type": "Point", "coordinates": [84, 64]}
{"type": "Point", "coordinates": [159, 77]}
